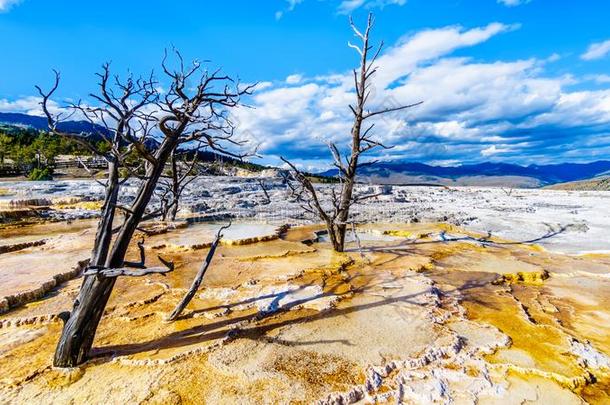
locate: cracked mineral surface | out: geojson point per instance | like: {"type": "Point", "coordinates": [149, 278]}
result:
{"type": "Point", "coordinates": [424, 312]}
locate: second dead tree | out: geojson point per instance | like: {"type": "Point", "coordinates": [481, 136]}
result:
{"type": "Point", "coordinates": [336, 218]}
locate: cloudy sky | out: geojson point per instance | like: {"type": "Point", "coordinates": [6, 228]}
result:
{"type": "Point", "coordinates": [521, 81]}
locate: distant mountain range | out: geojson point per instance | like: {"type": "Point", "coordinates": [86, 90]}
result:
{"type": "Point", "coordinates": [40, 123]}
{"type": "Point", "coordinates": [398, 172]}
{"type": "Point", "coordinates": [482, 174]}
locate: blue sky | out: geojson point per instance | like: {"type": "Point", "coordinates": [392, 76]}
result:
{"type": "Point", "coordinates": [516, 81]}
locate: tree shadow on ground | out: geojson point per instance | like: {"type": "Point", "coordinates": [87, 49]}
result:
{"type": "Point", "coordinates": [234, 327]}
{"type": "Point", "coordinates": [484, 240]}
{"type": "Point", "coordinates": [408, 246]}
{"type": "Point", "coordinates": [240, 327]}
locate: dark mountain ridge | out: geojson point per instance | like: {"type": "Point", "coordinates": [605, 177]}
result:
{"type": "Point", "coordinates": [388, 172]}
{"type": "Point", "coordinates": [544, 174]}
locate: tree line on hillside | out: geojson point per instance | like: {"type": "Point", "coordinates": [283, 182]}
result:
{"type": "Point", "coordinates": [34, 152]}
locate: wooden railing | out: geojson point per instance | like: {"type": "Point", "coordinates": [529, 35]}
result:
{"type": "Point", "coordinates": [91, 163]}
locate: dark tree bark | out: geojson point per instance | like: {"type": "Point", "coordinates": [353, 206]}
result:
{"type": "Point", "coordinates": [80, 326]}
{"type": "Point", "coordinates": [261, 183]}
{"type": "Point", "coordinates": [79, 331]}
{"type": "Point", "coordinates": [124, 110]}
{"type": "Point", "coordinates": [336, 219]}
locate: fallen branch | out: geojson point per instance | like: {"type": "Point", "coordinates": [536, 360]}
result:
{"type": "Point", "coordinates": [199, 278]}
{"type": "Point", "coordinates": [127, 271]}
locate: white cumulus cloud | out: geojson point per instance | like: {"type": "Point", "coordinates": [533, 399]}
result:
{"type": "Point", "coordinates": [348, 6]}
{"type": "Point", "coordinates": [28, 105]}
{"type": "Point", "coordinates": [5, 5]}
{"type": "Point", "coordinates": [513, 3]}
{"type": "Point", "coordinates": [472, 109]}
{"type": "Point", "coordinates": [596, 50]}
{"type": "Point", "coordinates": [294, 79]}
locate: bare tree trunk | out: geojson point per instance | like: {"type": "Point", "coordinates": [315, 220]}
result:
{"type": "Point", "coordinates": [173, 211]}
{"type": "Point", "coordinates": [79, 331]}
{"type": "Point", "coordinates": [339, 244]}
{"type": "Point", "coordinates": [334, 236]}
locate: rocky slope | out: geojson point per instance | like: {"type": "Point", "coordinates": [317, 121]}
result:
{"type": "Point", "coordinates": [597, 184]}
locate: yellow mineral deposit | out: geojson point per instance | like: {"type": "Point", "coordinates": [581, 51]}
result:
{"type": "Point", "coordinates": [281, 318]}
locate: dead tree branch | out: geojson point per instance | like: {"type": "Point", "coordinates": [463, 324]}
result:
{"type": "Point", "coordinates": [140, 264]}
{"type": "Point", "coordinates": [199, 278]}
{"type": "Point", "coordinates": [261, 183]}
{"type": "Point", "coordinates": [132, 272]}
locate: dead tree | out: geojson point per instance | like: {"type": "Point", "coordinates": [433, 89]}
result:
{"type": "Point", "coordinates": [199, 277]}
{"type": "Point", "coordinates": [182, 172]}
{"type": "Point", "coordinates": [336, 218]}
{"type": "Point", "coordinates": [263, 186]}
{"type": "Point", "coordinates": [194, 109]}
{"type": "Point", "coordinates": [507, 191]}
